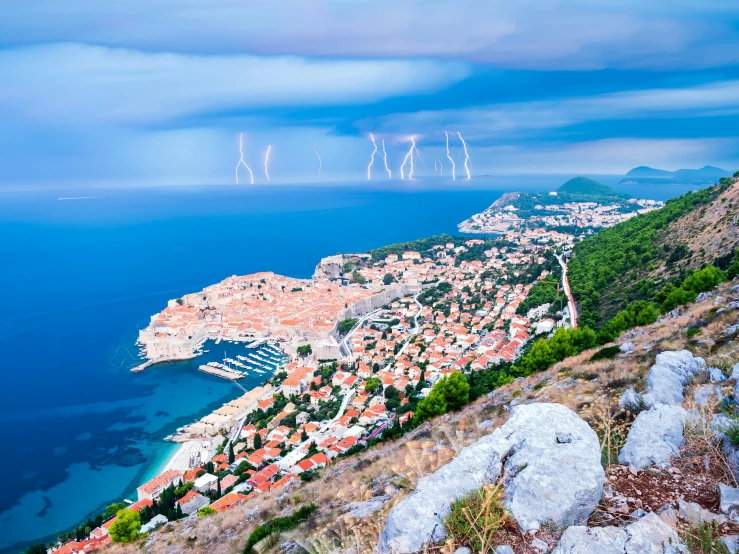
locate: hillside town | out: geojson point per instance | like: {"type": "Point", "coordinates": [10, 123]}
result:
{"type": "Point", "coordinates": [578, 217]}
{"type": "Point", "coordinates": [365, 340]}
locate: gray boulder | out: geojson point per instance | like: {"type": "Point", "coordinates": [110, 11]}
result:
{"type": "Point", "coordinates": [549, 460]}
{"type": "Point", "coordinates": [731, 542]}
{"type": "Point", "coordinates": [648, 535]}
{"type": "Point", "coordinates": [626, 347]}
{"type": "Point", "coordinates": [735, 371]}
{"type": "Point", "coordinates": [682, 363]}
{"type": "Point", "coordinates": [630, 400]}
{"type": "Point", "coordinates": [663, 387]}
{"type": "Point", "coordinates": [729, 501]}
{"type": "Point", "coordinates": [695, 514]}
{"type": "Point", "coordinates": [716, 374]}
{"type": "Point", "coordinates": [505, 549]}
{"type": "Point", "coordinates": [654, 437]}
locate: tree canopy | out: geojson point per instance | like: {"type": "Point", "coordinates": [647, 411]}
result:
{"type": "Point", "coordinates": [126, 527]}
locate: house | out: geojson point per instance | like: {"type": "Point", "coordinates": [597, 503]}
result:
{"type": "Point", "coordinates": [155, 522]}
{"type": "Point", "coordinates": [192, 502]}
{"type": "Point", "coordinates": [228, 501]}
{"type": "Point", "coordinates": [151, 490]}
{"type": "Point", "coordinates": [227, 482]}
{"type": "Point", "coordinates": [204, 482]}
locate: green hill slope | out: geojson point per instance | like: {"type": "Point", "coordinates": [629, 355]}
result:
{"type": "Point", "coordinates": [634, 259]}
{"type": "Point", "coordinates": [585, 189]}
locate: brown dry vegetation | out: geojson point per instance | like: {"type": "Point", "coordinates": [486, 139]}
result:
{"type": "Point", "coordinates": [708, 232]}
{"type": "Point", "coordinates": [389, 471]}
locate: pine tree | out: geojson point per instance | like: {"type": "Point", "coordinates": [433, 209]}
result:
{"type": "Point", "coordinates": [257, 441]}
{"type": "Point", "coordinates": [218, 490]}
{"type": "Point", "coordinates": [178, 512]}
{"type": "Point", "coordinates": [231, 456]}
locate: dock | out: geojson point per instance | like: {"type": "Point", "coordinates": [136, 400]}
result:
{"type": "Point", "coordinates": [227, 374]}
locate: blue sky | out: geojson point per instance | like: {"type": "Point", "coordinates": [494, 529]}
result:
{"type": "Point", "coordinates": [143, 92]}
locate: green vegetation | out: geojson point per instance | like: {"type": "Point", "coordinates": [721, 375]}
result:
{"type": "Point", "coordinates": [388, 279]}
{"type": "Point", "coordinates": [607, 353]}
{"type": "Point", "coordinates": [607, 268]}
{"type": "Point", "coordinates": [547, 352]}
{"type": "Point", "coordinates": [449, 393]}
{"type": "Point", "coordinates": [277, 525]}
{"type": "Point", "coordinates": [582, 189]}
{"type": "Point", "coordinates": [372, 384]}
{"type": "Point", "coordinates": [693, 331]}
{"type": "Point", "coordinates": [206, 511]}
{"type": "Point", "coordinates": [670, 297]}
{"type": "Point", "coordinates": [705, 538]}
{"type": "Point", "coordinates": [476, 517]}
{"type": "Point", "coordinates": [639, 313]}
{"type": "Point", "coordinates": [346, 325]}
{"type": "Point", "coordinates": [541, 293]}
{"type": "Point", "coordinates": [305, 350]}
{"type": "Point", "coordinates": [358, 278]}
{"type": "Point", "coordinates": [126, 527]}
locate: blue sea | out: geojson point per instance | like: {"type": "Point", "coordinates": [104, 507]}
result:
{"type": "Point", "coordinates": [80, 277]}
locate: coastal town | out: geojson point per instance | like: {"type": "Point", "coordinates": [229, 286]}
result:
{"type": "Point", "coordinates": [580, 217]}
{"type": "Point", "coordinates": [354, 350]}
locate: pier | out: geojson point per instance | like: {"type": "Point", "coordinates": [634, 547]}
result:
{"type": "Point", "coordinates": [227, 374]}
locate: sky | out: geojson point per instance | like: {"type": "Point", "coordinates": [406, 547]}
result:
{"type": "Point", "coordinates": [160, 93]}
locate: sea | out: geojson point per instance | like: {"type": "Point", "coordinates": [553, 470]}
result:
{"type": "Point", "coordinates": [84, 268]}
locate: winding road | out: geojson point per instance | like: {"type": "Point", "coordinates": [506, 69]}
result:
{"type": "Point", "coordinates": [568, 292]}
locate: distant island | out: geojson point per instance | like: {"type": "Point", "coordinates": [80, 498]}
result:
{"type": "Point", "coordinates": [643, 175]}
{"type": "Point", "coordinates": [578, 207]}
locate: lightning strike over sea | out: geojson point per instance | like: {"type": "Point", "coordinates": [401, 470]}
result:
{"type": "Point", "coordinates": [466, 156]}
{"type": "Point", "coordinates": [372, 158]}
{"type": "Point", "coordinates": [409, 159]}
{"type": "Point", "coordinates": [384, 159]}
{"type": "Point", "coordinates": [449, 156]}
{"type": "Point", "coordinates": [266, 161]}
{"type": "Point", "coordinates": [320, 162]}
{"type": "Point", "coordinates": [241, 160]}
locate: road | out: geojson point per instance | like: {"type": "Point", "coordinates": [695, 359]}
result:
{"type": "Point", "coordinates": [568, 292]}
{"type": "Point", "coordinates": [344, 348]}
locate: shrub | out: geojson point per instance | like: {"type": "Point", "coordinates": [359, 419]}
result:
{"type": "Point", "coordinates": [693, 331]}
{"type": "Point", "coordinates": [732, 431]}
{"type": "Point", "coordinates": [607, 353]}
{"type": "Point", "coordinates": [277, 525]}
{"type": "Point", "coordinates": [705, 539]}
{"type": "Point", "coordinates": [476, 517]}
{"type": "Point", "coordinates": [206, 511]}
{"type": "Point", "coordinates": [126, 527]}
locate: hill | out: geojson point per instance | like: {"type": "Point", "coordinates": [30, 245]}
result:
{"type": "Point", "coordinates": [584, 189]}
{"type": "Point", "coordinates": [636, 258]}
{"type": "Point", "coordinates": [647, 175]}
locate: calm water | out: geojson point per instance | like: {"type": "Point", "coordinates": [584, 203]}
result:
{"type": "Point", "coordinates": [81, 277]}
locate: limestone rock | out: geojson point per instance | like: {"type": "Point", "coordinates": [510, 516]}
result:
{"type": "Point", "coordinates": [735, 371]}
{"type": "Point", "coordinates": [664, 387]}
{"type": "Point", "coordinates": [505, 549]}
{"type": "Point", "coordinates": [654, 437]}
{"type": "Point", "coordinates": [630, 400]}
{"type": "Point", "coordinates": [716, 374]}
{"type": "Point", "coordinates": [548, 457]}
{"type": "Point", "coordinates": [695, 514]}
{"type": "Point", "coordinates": [729, 501]}
{"type": "Point", "coordinates": [648, 535]}
{"type": "Point", "coordinates": [626, 347]}
{"type": "Point", "coordinates": [731, 542]}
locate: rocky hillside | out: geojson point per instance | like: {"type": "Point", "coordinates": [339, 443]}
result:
{"type": "Point", "coordinates": [634, 259]}
{"type": "Point", "coordinates": [625, 450]}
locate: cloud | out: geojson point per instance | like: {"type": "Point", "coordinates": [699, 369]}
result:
{"type": "Point", "coordinates": [518, 120]}
{"type": "Point", "coordinates": [92, 84]}
{"type": "Point", "coordinates": [522, 34]}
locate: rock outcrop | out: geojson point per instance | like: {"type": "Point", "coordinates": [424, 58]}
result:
{"type": "Point", "coordinates": [547, 458]}
{"type": "Point", "coordinates": [655, 437]}
{"type": "Point", "coordinates": [648, 535]}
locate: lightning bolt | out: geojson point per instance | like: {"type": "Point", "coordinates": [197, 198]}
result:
{"type": "Point", "coordinates": [372, 159]}
{"type": "Point", "coordinates": [266, 161]}
{"type": "Point", "coordinates": [409, 159]}
{"type": "Point", "coordinates": [241, 160]}
{"type": "Point", "coordinates": [384, 159]}
{"type": "Point", "coordinates": [466, 155]}
{"type": "Point", "coordinates": [438, 167]}
{"type": "Point", "coordinates": [320, 162]}
{"type": "Point", "coordinates": [449, 156]}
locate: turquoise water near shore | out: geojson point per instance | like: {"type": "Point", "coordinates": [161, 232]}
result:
{"type": "Point", "coordinates": [81, 277]}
